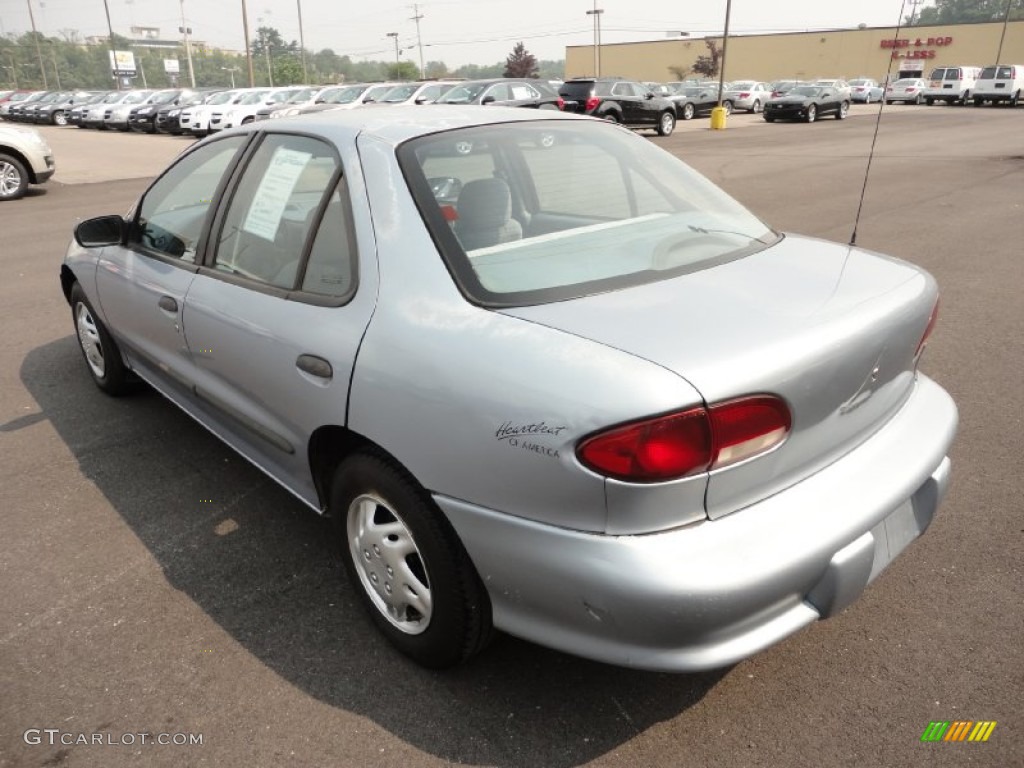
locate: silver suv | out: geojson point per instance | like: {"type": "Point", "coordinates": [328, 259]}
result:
{"type": "Point", "coordinates": [25, 158]}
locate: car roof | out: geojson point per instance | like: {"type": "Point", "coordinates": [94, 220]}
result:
{"type": "Point", "coordinates": [395, 125]}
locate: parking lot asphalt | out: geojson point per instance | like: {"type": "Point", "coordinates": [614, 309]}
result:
{"type": "Point", "coordinates": [155, 582]}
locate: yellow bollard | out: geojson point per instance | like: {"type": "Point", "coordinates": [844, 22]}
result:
{"type": "Point", "coordinates": [718, 118]}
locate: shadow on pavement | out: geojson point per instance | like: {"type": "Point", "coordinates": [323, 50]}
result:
{"type": "Point", "coordinates": [265, 568]}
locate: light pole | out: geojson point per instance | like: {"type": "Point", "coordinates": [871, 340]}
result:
{"type": "Point", "coordinates": [266, 50]}
{"type": "Point", "coordinates": [302, 44]}
{"type": "Point", "coordinates": [35, 36]}
{"type": "Point", "coordinates": [248, 51]}
{"type": "Point", "coordinates": [113, 53]}
{"type": "Point", "coordinates": [419, 41]}
{"type": "Point", "coordinates": [232, 70]}
{"type": "Point", "coordinates": [398, 63]}
{"type": "Point", "coordinates": [186, 31]}
{"type": "Point", "coordinates": [725, 47]}
{"type": "Point", "coordinates": [596, 13]}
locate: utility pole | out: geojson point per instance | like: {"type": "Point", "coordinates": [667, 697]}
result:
{"type": "Point", "coordinates": [186, 31]}
{"type": "Point", "coordinates": [113, 53]}
{"type": "Point", "coordinates": [596, 13]}
{"type": "Point", "coordinates": [398, 62]}
{"type": "Point", "coordinates": [266, 53]}
{"type": "Point", "coordinates": [725, 45]}
{"type": "Point", "coordinates": [248, 52]}
{"type": "Point", "coordinates": [302, 45]}
{"type": "Point", "coordinates": [913, 11]}
{"type": "Point", "coordinates": [35, 36]}
{"type": "Point", "coordinates": [53, 57]}
{"type": "Point", "coordinates": [1006, 20]}
{"type": "Point", "coordinates": [419, 41]}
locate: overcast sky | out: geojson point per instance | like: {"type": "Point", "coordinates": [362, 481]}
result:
{"type": "Point", "coordinates": [454, 31]}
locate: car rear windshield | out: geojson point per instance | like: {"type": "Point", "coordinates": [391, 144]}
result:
{"type": "Point", "coordinates": [576, 91]}
{"type": "Point", "coordinates": [996, 73]}
{"type": "Point", "coordinates": [539, 211]}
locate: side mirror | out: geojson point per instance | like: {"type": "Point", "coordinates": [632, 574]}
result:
{"type": "Point", "coordinates": [488, 99]}
{"type": "Point", "coordinates": [101, 231]}
{"type": "Point", "coordinates": [649, 95]}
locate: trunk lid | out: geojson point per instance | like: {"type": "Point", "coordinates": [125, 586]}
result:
{"type": "Point", "coordinates": [833, 330]}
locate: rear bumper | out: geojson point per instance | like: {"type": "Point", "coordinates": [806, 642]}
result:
{"type": "Point", "coordinates": [710, 594]}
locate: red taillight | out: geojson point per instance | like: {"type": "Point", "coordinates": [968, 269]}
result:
{"type": "Point", "coordinates": [561, 103]}
{"type": "Point", "coordinates": [688, 442]}
{"type": "Point", "coordinates": [744, 95]}
{"type": "Point", "coordinates": [592, 103]}
{"type": "Point", "coordinates": [932, 319]}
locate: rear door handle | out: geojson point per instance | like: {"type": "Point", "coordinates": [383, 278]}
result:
{"type": "Point", "coordinates": [168, 303]}
{"type": "Point", "coordinates": [314, 366]}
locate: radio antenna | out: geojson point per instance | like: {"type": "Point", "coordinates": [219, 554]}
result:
{"type": "Point", "coordinates": [878, 122]}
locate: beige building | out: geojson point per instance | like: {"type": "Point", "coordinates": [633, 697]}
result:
{"type": "Point", "coordinates": [849, 53]}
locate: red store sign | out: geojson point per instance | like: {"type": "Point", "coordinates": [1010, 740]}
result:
{"type": "Point", "coordinates": [919, 48]}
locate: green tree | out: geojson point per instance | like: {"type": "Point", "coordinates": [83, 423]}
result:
{"type": "Point", "coordinates": [551, 69]}
{"type": "Point", "coordinates": [287, 70]}
{"type": "Point", "coordinates": [966, 11]}
{"type": "Point", "coordinates": [707, 64]}
{"type": "Point", "coordinates": [403, 70]}
{"type": "Point", "coordinates": [435, 69]}
{"type": "Point", "coordinates": [520, 63]}
{"type": "Point", "coordinates": [477, 72]}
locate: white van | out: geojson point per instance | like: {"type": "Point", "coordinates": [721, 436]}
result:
{"type": "Point", "coordinates": [953, 85]}
{"type": "Point", "coordinates": [1000, 82]}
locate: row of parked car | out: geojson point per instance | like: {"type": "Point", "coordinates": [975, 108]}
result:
{"type": "Point", "coordinates": [199, 112]}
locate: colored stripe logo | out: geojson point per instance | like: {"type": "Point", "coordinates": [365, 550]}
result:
{"type": "Point", "coordinates": [958, 730]}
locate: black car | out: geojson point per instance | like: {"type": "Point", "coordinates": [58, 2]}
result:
{"type": "Point", "coordinates": [165, 119]}
{"type": "Point", "coordinates": [504, 92]}
{"type": "Point", "coordinates": [55, 111]}
{"type": "Point", "coordinates": [808, 103]}
{"type": "Point", "coordinates": [143, 117]}
{"type": "Point", "coordinates": [618, 100]}
{"type": "Point", "coordinates": [695, 101]}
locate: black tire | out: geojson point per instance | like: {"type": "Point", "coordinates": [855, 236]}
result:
{"type": "Point", "coordinates": [812, 114]}
{"type": "Point", "coordinates": [13, 178]}
{"type": "Point", "coordinates": [843, 111]}
{"type": "Point", "coordinates": [977, 101]}
{"type": "Point", "coordinates": [102, 357]}
{"type": "Point", "coordinates": [60, 117]}
{"type": "Point", "coordinates": [769, 119]}
{"type": "Point", "coordinates": [755, 107]}
{"type": "Point", "coordinates": [666, 123]}
{"type": "Point", "coordinates": [456, 624]}
{"type": "Point", "coordinates": [727, 105]}
{"type": "Point", "coordinates": [889, 102]}
{"type": "Point", "coordinates": [929, 101]}
{"type": "Point", "coordinates": [918, 100]}
{"type": "Point", "coordinates": [611, 117]}
{"type": "Point", "coordinates": [688, 112]}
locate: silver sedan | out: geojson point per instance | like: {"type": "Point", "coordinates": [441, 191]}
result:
{"type": "Point", "coordinates": [543, 376]}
